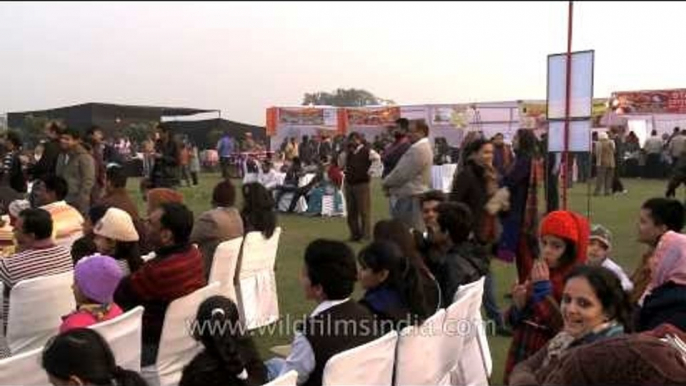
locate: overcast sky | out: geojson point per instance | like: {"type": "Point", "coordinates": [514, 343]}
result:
{"type": "Point", "coordinates": [244, 57]}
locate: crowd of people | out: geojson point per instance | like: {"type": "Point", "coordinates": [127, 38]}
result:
{"type": "Point", "coordinates": [572, 306]}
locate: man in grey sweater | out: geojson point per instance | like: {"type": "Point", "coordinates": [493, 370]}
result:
{"type": "Point", "coordinates": [411, 177]}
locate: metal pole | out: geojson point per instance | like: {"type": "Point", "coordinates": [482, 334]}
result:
{"type": "Point", "coordinates": [568, 91]}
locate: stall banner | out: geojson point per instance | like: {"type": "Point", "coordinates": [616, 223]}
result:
{"type": "Point", "coordinates": [650, 102]}
{"type": "Point", "coordinates": [372, 116]}
{"type": "Point", "coordinates": [414, 112]}
{"type": "Point", "coordinates": [301, 116]}
{"type": "Point", "coordinates": [272, 119]}
{"type": "Point", "coordinates": [531, 115]}
{"type": "Point", "coordinates": [457, 116]}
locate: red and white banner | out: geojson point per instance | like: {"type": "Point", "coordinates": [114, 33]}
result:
{"type": "Point", "coordinates": [650, 102]}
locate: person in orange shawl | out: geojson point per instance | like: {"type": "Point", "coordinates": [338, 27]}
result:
{"type": "Point", "coordinates": [535, 316]}
{"type": "Point", "coordinates": [158, 196]}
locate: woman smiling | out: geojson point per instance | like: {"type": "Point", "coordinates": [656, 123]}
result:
{"type": "Point", "coordinates": [594, 307]}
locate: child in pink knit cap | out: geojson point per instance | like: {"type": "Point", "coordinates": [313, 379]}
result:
{"type": "Point", "coordinates": [96, 277]}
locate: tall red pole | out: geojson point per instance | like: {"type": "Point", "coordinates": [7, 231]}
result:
{"type": "Point", "coordinates": [568, 92]}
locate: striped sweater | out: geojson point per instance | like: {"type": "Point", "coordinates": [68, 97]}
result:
{"type": "Point", "coordinates": [174, 272]}
{"type": "Point", "coordinates": [67, 222]}
{"type": "Point", "coordinates": [42, 259]}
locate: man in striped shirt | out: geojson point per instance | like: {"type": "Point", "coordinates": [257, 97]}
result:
{"type": "Point", "coordinates": [37, 254]}
{"type": "Point", "coordinates": [67, 221]}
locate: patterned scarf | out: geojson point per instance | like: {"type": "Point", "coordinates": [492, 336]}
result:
{"type": "Point", "coordinates": [98, 311]}
{"type": "Point", "coordinates": [564, 340]}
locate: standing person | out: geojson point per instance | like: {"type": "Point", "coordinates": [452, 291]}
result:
{"type": "Point", "coordinates": [502, 154]}
{"type": "Point", "coordinates": [12, 173]}
{"type": "Point", "coordinates": [552, 176]}
{"type": "Point", "coordinates": [411, 177]}
{"type": "Point", "coordinates": [184, 162]}
{"type": "Point", "coordinates": [653, 149]}
{"type": "Point", "coordinates": [393, 153]}
{"type": "Point", "coordinates": [620, 148]}
{"type": "Point", "coordinates": [605, 158]}
{"type": "Point", "coordinates": [677, 145]}
{"type": "Point", "coordinates": [225, 147]}
{"type": "Point", "coordinates": [475, 186]}
{"type": "Point", "coordinates": [357, 189]}
{"type": "Point", "coordinates": [195, 164]}
{"type": "Point", "coordinates": [165, 171]}
{"type": "Point", "coordinates": [94, 144]}
{"type": "Point", "coordinates": [519, 241]}
{"type": "Point", "coordinates": [76, 166]}
{"type": "Point", "coordinates": [47, 163]}
{"type": "Point", "coordinates": [291, 150]}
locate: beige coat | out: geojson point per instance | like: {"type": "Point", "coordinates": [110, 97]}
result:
{"type": "Point", "coordinates": [605, 153]}
{"type": "Point", "coordinates": [214, 227]}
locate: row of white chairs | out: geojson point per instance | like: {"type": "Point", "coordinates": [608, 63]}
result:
{"type": "Point", "coordinates": [245, 269]}
{"type": "Point", "coordinates": [449, 348]}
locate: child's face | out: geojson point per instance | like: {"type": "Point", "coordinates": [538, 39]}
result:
{"type": "Point", "coordinates": [370, 279]}
{"type": "Point", "coordinates": [78, 295]}
{"type": "Point", "coordinates": [597, 252]}
{"type": "Point", "coordinates": [552, 249]}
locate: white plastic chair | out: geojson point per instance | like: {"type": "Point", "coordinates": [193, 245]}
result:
{"type": "Point", "coordinates": [24, 369]}
{"type": "Point", "coordinates": [369, 364]}
{"type": "Point", "coordinates": [224, 265]}
{"type": "Point", "coordinates": [456, 327]}
{"type": "Point", "coordinates": [288, 379]}
{"type": "Point", "coordinates": [177, 346]}
{"type": "Point", "coordinates": [258, 300]}
{"type": "Point", "coordinates": [475, 365]}
{"type": "Point", "coordinates": [124, 334]}
{"type": "Point", "coordinates": [419, 351]}
{"type": "Point", "coordinates": [36, 309]}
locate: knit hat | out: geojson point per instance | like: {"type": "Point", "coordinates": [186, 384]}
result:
{"type": "Point", "coordinates": [97, 277]}
{"type": "Point", "coordinates": [602, 234]}
{"type": "Point", "coordinates": [569, 226]}
{"type": "Point", "coordinates": [159, 196]}
{"type": "Point", "coordinates": [116, 225]}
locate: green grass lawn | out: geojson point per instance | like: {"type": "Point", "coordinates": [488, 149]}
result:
{"type": "Point", "coordinates": [618, 213]}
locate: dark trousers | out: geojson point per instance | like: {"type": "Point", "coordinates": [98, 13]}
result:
{"type": "Point", "coordinates": [358, 203]}
{"type": "Point", "coordinates": [224, 161]}
{"type": "Point", "coordinates": [194, 176]}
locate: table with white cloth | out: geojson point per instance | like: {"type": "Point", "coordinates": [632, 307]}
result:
{"type": "Point", "coordinates": [442, 177]}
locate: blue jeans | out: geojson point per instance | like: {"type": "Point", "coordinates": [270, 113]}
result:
{"type": "Point", "coordinates": [408, 210]}
{"type": "Point", "coordinates": [489, 302]}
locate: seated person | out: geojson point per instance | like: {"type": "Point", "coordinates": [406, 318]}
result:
{"type": "Point", "coordinates": [258, 212]}
{"type": "Point", "coordinates": [175, 271]}
{"type": "Point", "coordinates": [465, 261]}
{"type": "Point", "coordinates": [327, 277]}
{"type": "Point", "coordinates": [393, 291]}
{"type": "Point", "coordinates": [290, 183]}
{"type": "Point", "coordinates": [86, 245]}
{"type": "Point", "coordinates": [116, 236]}
{"type": "Point", "coordinates": [599, 248]}
{"type": "Point", "coordinates": [268, 176]}
{"type": "Point", "coordinates": [95, 279]}
{"type": "Point", "coordinates": [83, 357]}
{"type": "Point", "coordinates": [158, 196]}
{"type": "Point", "coordinates": [217, 225]}
{"type": "Point", "coordinates": [425, 242]}
{"type": "Point", "coordinates": [37, 254]}
{"type": "Point", "coordinates": [67, 220]}
{"type": "Point", "coordinates": [328, 181]}
{"type": "Point", "coordinates": [228, 358]}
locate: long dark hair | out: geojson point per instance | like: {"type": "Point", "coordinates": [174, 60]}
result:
{"type": "Point", "coordinates": [526, 143]}
{"type": "Point", "coordinates": [83, 353]}
{"type": "Point", "coordinates": [402, 274]}
{"type": "Point", "coordinates": [396, 231]}
{"type": "Point", "coordinates": [608, 289]}
{"type": "Point", "coordinates": [219, 330]}
{"type": "Point", "coordinates": [258, 209]}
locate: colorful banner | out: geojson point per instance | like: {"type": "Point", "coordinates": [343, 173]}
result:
{"type": "Point", "coordinates": [301, 116]}
{"type": "Point", "coordinates": [650, 102]}
{"type": "Point", "coordinates": [457, 116]}
{"type": "Point", "coordinates": [372, 116]}
{"type": "Point", "coordinates": [272, 119]}
{"type": "Point", "coordinates": [532, 115]}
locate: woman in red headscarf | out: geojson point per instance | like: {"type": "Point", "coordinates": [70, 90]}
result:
{"type": "Point", "coordinates": [535, 316]}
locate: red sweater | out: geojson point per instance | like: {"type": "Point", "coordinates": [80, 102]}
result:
{"type": "Point", "coordinates": [174, 272]}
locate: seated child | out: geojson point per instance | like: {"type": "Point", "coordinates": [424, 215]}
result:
{"type": "Point", "coordinates": [96, 277]}
{"type": "Point", "coordinates": [599, 248]}
{"type": "Point", "coordinates": [229, 357]}
{"type": "Point", "coordinates": [327, 277]}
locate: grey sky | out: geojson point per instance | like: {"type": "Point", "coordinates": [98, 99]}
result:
{"type": "Point", "coordinates": [244, 57]}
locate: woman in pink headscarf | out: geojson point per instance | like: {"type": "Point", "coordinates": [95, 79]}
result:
{"type": "Point", "coordinates": [665, 298]}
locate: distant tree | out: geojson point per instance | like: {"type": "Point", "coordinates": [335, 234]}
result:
{"type": "Point", "coordinates": [139, 132]}
{"type": "Point", "coordinates": [33, 129]}
{"type": "Point", "coordinates": [344, 98]}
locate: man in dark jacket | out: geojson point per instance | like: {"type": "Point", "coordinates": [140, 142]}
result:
{"type": "Point", "coordinates": [76, 166]}
{"type": "Point", "coordinates": [395, 151]}
{"type": "Point", "coordinates": [165, 171]}
{"type": "Point", "coordinates": [357, 188]}
{"type": "Point", "coordinates": [51, 150]}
